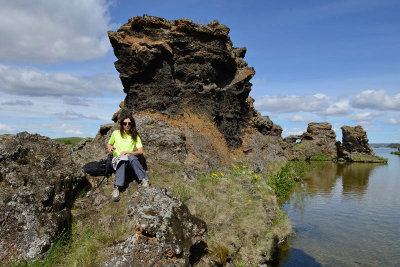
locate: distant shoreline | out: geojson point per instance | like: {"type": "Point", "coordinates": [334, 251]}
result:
{"type": "Point", "coordinates": [391, 145]}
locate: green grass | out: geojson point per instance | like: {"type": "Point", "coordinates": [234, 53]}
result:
{"type": "Point", "coordinates": [357, 157]}
{"type": "Point", "coordinates": [239, 207]}
{"type": "Point", "coordinates": [320, 157]}
{"type": "Point", "coordinates": [283, 180]}
{"type": "Point", "coordinates": [85, 243]}
{"type": "Point", "coordinates": [51, 258]}
{"type": "Point", "coordinates": [395, 153]}
{"type": "Point", "coordinates": [69, 141]}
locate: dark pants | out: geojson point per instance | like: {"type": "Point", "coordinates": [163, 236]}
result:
{"type": "Point", "coordinates": [123, 168]}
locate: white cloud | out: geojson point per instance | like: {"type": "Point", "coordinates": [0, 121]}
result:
{"type": "Point", "coordinates": [367, 125]}
{"type": "Point", "coordinates": [50, 31]}
{"type": "Point", "coordinates": [292, 131]}
{"type": "Point", "coordinates": [5, 128]}
{"type": "Point", "coordinates": [318, 103]}
{"type": "Point", "coordinates": [75, 132]}
{"type": "Point", "coordinates": [337, 109]}
{"type": "Point", "coordinates": [367, 116]}
{"type": "Point", "coordinates": [336, 127]}
{"type": "Point", "coordinates": [75, 101]}
{"type": "Point", "coordinates": [34, 82]}
{"type": "Point", "coordinates": [72, 115]}
{"type": "Point", "coordinates": [394, 121]}
{"type": "Point", "coordinates": [378, 100]}
{"type": "Point", "coordinates": [18, 103]}
{"type": "Point", "coordinates": [292, 103]}
{"type": "Point", "coordinates": [297, 118]}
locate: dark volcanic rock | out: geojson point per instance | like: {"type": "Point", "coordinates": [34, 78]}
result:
{"type": "Point", "coordinates": [264, 145]}
{"type": "Point", "coordinates": [354, 139]}
{"type": "Point", "coordinates": [354, 143]}
{"type": "Point", "coordinates": [38, 183]}
{"type": "Point", "coordinates": [180, 66]}
{"type": "Point", "coordinates": [200, 147]}
{"type": "Point", "coordinates": [166, 233]}
{"type": "Point", "coordinates": [319, 141]}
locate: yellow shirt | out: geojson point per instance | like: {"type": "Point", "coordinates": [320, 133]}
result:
{"type": "Point", "coordinates": [123, 143]}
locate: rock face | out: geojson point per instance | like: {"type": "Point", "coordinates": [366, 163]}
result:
{"type": "Point", "coordinates": [166, 233]}
{"type": "Point", "coordinates": [38, 182]}
{"type": "Point", "coordinates": [354, 139]}
{"type": "Point", "coordinates": [191, 141]}
{"type": "Point", "coordinates": [354, 142]}
{"type": "Point", "coordinates": [179, 66]}
{"type": "Point", "coordinates": [263, 145]}
{"type": "Point", "coordinates": [317, 143]}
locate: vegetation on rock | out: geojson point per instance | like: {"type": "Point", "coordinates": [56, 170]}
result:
{"type": "Point", "coordinates": [320, 157]}
{"type": "Point", "coordinates": [359, 157]}
{"type": "Point", "coordinates": [69, 141]}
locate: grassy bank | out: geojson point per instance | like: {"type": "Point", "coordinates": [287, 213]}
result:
{"type": "Point", "coordinates": [239, 206]}
{"type": "Point", "coordinates": [357, 157]}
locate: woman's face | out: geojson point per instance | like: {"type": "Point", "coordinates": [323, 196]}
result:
{"type": "Point", "coordinates": [127, 124]}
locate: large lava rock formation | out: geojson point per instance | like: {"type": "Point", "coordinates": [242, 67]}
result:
{"type": "Point", "coordinates": [180, 66]}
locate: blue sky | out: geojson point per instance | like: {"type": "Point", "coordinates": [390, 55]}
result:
{"type": "Point", "coordinates": [335, 61]}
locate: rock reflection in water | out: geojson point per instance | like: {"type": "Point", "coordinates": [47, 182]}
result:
{"type": "Point", "coordinates": [322, 179]}
{"type": "Point", "coordinates": [344, 214]}
{"type": "Point", "coordinates": [298, 257]}
{"type": "Point", "coordinates": [355, 177]}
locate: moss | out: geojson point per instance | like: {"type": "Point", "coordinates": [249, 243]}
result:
{"type": "Point", "coordinates": [298, 145]}
{"type": "Point", "coordinates": [357, 157]}
{"type": "Point", "coordinates": [320, 157]}
{"type": "Point", "coordinates": [69, 141]}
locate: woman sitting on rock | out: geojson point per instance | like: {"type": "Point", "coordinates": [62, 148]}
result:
{"type": "Point", "coordinates": [122, 144]}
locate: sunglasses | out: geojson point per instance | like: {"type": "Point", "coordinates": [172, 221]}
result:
{"type": "Point", "coordinates": [126, 123]}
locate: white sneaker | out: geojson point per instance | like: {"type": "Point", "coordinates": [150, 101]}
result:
{"type": "Point", "coordinates": [115, 194]}
{"type": "Point", "coordinates": [145, 183]}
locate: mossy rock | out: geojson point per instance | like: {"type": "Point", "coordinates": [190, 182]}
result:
{"type": "Point", "coordinates": [357, 157]}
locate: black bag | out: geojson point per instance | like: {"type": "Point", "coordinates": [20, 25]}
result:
{"type": "Point", "coordinates": [142, 161]}
{"type": "Point", "coordinates": [99, 168]}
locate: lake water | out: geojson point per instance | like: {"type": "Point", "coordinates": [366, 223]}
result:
{"type": "Point", "coordinates": [346, 215]}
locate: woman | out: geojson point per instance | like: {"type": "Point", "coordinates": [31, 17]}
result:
{"type": "Point", "coordinates": [122, 144]}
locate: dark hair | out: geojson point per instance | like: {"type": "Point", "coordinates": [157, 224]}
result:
{"type": "Point", "coordinates": [132, 131]}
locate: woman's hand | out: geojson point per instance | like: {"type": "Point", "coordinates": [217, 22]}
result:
{"type": "Point", "coordinates": [135, 153]}
{"type": "Point", "coordinates": [110, 148]}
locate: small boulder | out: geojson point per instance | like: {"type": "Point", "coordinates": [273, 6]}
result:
{"type": "Point", "coordinates": [166, 233]}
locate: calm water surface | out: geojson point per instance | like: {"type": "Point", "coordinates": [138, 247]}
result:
{"type": "Point", "coordinates": [346, 215]}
